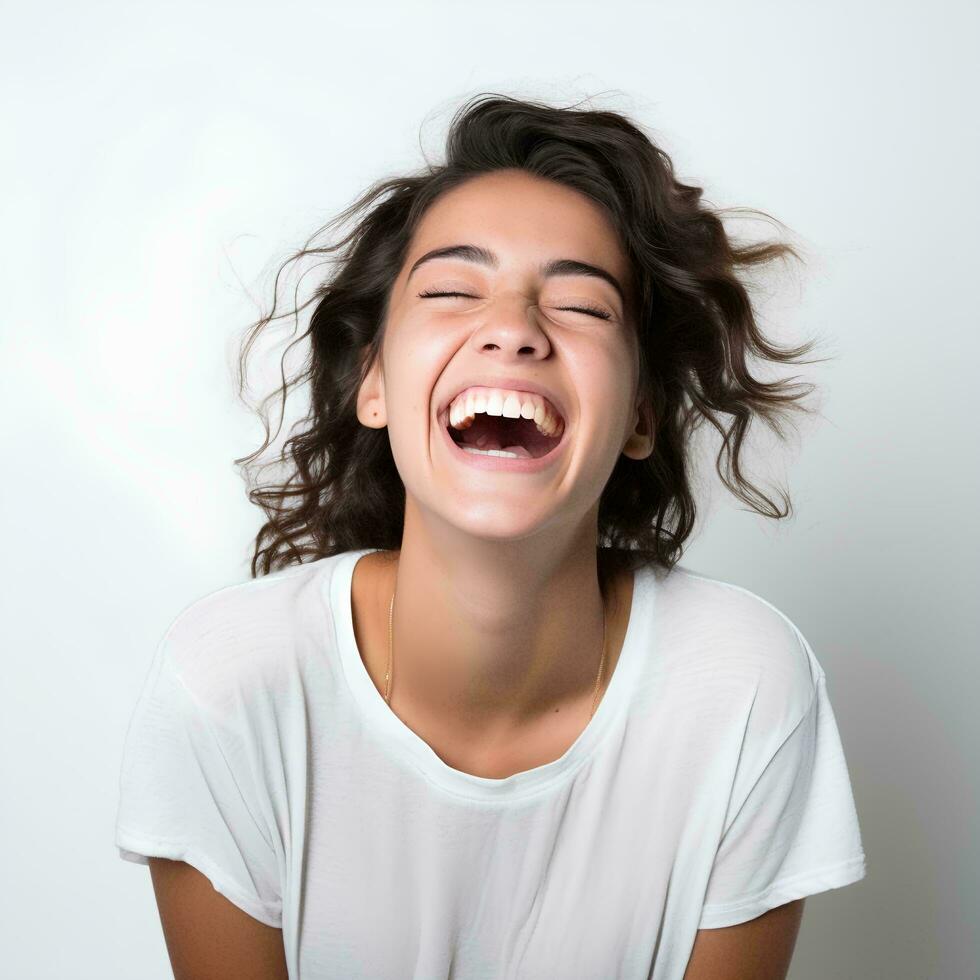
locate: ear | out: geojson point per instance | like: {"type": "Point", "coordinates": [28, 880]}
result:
{"type": "Point", "coordinates": [371, 410]}
{"type": "Point", "coordinates": [639, 445]}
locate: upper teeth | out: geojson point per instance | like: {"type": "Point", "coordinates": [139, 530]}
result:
{"type": "Point", "coordinates": [500, 401]}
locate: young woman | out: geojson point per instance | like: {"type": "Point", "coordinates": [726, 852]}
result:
{"type": "Point", "coordinates": [473, 719]}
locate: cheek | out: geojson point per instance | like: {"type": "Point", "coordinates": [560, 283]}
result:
{"type": "Point", "coordinates": [608, 385]}
{"type": "Point", "coordinates": [412, 377]}
{"type": "Point", "coordinates": [427, 341]}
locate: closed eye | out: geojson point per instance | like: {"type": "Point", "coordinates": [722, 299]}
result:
{"type": "Point", "coordinates": [589, 310]}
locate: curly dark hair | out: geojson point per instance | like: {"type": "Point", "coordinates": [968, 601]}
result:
{"type": "Point", "coordinates": [696, 327]}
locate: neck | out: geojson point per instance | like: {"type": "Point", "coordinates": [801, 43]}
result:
{"type": "Point", "coordinates": [495, 634]}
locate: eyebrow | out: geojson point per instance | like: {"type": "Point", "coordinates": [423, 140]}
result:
{"type": "Point", "coordinates": [555, 267]}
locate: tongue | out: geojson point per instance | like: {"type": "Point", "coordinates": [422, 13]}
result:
{"type": "Point", "coordinates": [490, 442]}
{"type": "Point", "coordinates": [519, 436]}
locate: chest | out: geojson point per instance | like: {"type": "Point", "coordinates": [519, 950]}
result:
{"type": "Point", "coordinates": [573, 884]}
{"type": "Point", "coordinates": [511, 751]}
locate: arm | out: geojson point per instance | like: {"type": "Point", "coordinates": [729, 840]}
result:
{"type": "Point", "coordinates": [759, 949]}
{"type": "Point", "coordinates": [208, 937]}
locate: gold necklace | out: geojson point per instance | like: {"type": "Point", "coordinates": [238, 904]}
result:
{"type": "Point", "coordinates": [602, 659]}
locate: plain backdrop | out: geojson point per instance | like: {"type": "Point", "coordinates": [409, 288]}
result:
{"type": "Point", "coordinates": [159, 159]}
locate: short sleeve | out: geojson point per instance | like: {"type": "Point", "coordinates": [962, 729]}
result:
{"type": "Point", "coordinates": [796, 833]}
{"type": "Point", "coordinates": [187, 794]}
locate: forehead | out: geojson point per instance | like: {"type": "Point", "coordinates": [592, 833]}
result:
{"type": "Point", "coordinates": [521, 217]}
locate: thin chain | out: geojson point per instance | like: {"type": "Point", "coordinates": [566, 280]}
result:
{"type": "Point", "coordinates": [598, 680]}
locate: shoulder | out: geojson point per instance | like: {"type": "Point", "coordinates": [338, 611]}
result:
{"type": "Point", "coordinates": [245, 636]}
{"type": "Point", "coordinates": [732, 637]}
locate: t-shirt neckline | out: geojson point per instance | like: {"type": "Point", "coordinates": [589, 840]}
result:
{"type": "Point", "coordinates": [397, 737]}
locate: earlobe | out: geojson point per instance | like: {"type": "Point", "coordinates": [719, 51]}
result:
{"type": "Point", "coordinates": [641, 441]}
{"type": "Point", "coordinates": [371, 409]}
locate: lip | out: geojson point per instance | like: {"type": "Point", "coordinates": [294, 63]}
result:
{"type": "Point", "coordinates": [505, 464]}
{"type": "Point", "coordinates": [514, 384]}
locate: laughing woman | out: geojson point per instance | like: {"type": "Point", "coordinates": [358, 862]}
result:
{"type": "Point", "coordinates": [470, 717]}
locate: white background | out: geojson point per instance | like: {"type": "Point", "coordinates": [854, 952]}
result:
{"type": "Point", "coordinates": [160, 158]}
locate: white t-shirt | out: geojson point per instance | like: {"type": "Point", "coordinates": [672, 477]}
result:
{"type": "Point", "coordinates": [709, 787]}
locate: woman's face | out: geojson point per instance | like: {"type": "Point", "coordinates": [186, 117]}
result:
{"type": "Point", "coordinates": [514, 322]}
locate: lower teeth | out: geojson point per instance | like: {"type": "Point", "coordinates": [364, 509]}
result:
{"type": "Point", "coordinates": [490, 452]}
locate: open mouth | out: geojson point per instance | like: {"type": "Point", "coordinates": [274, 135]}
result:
{"type": "Point", "coordinates": [497, 434]}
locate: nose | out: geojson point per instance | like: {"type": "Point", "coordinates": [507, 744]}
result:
{"type": "Point", "coordinates": [512, 326]}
